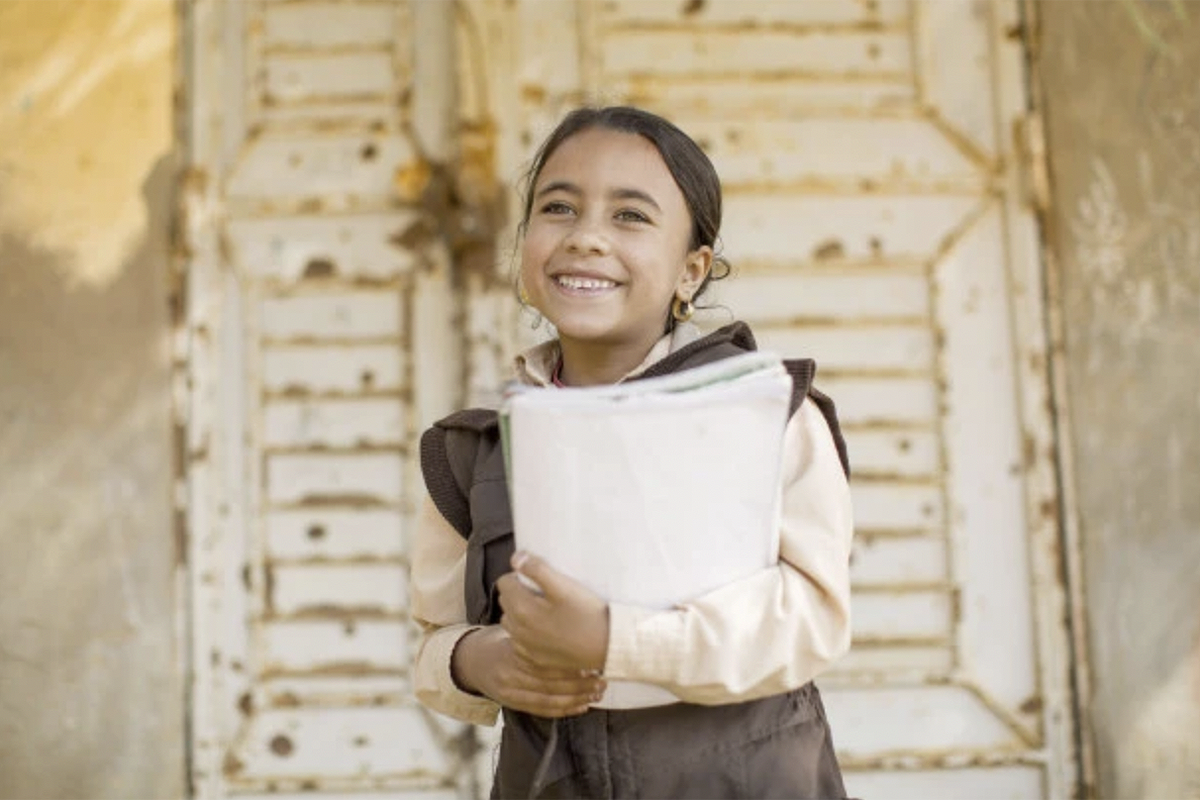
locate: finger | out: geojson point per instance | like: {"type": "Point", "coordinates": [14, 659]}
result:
{"type": "Point", "coordinates": [515, 599]}
{"type": "Point", "coordinates": [552, 582]}
{"type": "Point", "coordinates": [517, 629]}
{"type": "Point", "coordinates": [544, 705]}
{"type": "Point", "coordinates": [508, 585]}
{"type": "Point", "coordinates": [560, 682]}
{"type": "Point", "coordinates": [549, 670]}
{"type": "Point", "coordinates": [578, 689]}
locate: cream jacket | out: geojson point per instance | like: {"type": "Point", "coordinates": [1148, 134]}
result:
{"type": "Point", "coordinates": [762, 635]}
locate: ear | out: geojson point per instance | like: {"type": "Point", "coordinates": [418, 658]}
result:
{"type": "Point", "coordinates": [695, 270]}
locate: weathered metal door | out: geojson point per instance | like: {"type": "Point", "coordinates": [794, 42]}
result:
{"type": "Point", "coordinates": [877, 217]}
{"type": "Point", "coordinates": [320, 339]}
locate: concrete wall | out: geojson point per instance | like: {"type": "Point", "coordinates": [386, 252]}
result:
{"type": "Point", "coordinates": [90, 692]}
{"type": "Point", "coordinates": [1123, 110]}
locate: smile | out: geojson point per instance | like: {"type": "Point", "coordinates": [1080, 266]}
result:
{"type": "Point", "coordinates": [584, 284]}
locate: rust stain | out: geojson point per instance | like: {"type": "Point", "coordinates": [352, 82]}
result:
{"type": "Point", "coordinates": [320, 268]}
{"type": "Point", "coordinates": [232, 765]}
{"type": "Point", "coordinates": [177, 303]}
{"type": "Point", "coordinates": [308, 785]}
{"type": "Point", "coordinates": [534, 93]}
{"type": "Point", "coordinates": [829, 250]}
{"type": "Point", "coordinates": [285, 700]}
{"type": "Point", "coordinates": [419, 233]}
{"type": "Point", "coordinates": [245, 704]}
{"type": "Point", "coordinates": [339, 612]}
{"type": "Point", "coordinates": [369, 152]}
{"type": "Point", "coordinates": [1032, 706]}
{"type": "Point", "coordinates": [316, 532]}
{"type": "Point", "coordinates": [179, 449]}
{"type": "Point", "coordinates": [412, 180]}
{"type": "Point", "coordinates": [1048, 509]}
{"type": "Point", "coordinates": [357, 500]}
{"type": "Point", "coordinates": [180, 526]}
{"type": "Point", "coordinates": [692, 7]}
{"type": "Point", "coordinates": [360, 741]}
{"type": "Point", "coordinates": [281, 745]}
{"type": "Point", "coordinates": [247, 577]}
{"type": "Point", "coordinates": [269, 588]}
{"type": "Point", "coordinates": [194, 180]}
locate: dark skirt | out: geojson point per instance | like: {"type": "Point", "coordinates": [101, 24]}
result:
{"type": "Point", "coordinates": [778, 746]}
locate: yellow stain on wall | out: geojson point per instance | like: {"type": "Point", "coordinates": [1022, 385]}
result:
{"type": "Point", "coordinates": [85, 113]}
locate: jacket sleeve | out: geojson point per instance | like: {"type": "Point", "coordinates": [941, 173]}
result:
{"type": "Point", "coordinates": [770, 632]}
{"type": "Point", "coordinates": [438, 563]}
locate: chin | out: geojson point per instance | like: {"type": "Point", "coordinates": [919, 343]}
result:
{"type": "Point", "coordinates": [583, 330]}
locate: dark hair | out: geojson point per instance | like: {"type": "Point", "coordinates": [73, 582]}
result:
{"type": "Point", "coordinates": [687, 163]}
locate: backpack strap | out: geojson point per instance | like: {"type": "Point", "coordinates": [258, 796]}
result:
{"type": "Point", "coordinates": [802, 371]}
{"type": "Point", "coordinates": [449, 451]}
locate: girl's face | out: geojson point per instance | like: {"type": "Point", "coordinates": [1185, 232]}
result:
{"type": "Point", "coordinates": [606, 247]}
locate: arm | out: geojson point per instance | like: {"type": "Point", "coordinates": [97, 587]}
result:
{"type": "Point", "coordinates": [468, 671]}
{"type": "Point", "coordinates": [438, 559]}
{"type": "Point", "coordinates": [773, 631]}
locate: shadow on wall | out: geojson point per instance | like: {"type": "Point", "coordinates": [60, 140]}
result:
{"type": "Point", "coordinates": [90, 691]}
{"type": "Point", "coordinates": [1124, 137]}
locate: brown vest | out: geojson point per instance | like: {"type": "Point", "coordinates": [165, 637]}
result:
{"type": "Point", "coordinates": [776, 746]}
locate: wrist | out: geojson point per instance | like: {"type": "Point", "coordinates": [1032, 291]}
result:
{"type": "Point", "coordinates": [463, 660]}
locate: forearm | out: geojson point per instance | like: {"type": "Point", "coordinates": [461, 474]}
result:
{"type": "Point", "coordinates": [434, 680]}
{"type": "Point", "coordinates": [764, 635]}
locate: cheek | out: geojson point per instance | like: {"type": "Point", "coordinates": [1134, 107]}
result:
{"type": "Point", "coordinates": [535, 247]}
{"type": "Point", "coordinates": [527, 258]}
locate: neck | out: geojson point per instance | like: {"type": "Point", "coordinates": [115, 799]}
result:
{"type": "Point", "coordinates": [599, 364]}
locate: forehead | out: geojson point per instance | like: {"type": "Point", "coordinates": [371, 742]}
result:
{"type": "Point", "coordinates": [603, 159]}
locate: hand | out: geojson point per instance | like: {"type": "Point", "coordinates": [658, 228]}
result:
{"type": "Point", "coordinates": [565, 626]}
{"type": "Point", "coordinates": [486, 662]}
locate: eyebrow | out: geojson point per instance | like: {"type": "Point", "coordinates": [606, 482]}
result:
{"type": "Point", "coordinates": [618, 194]}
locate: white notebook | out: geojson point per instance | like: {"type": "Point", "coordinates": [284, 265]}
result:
{"type": "Point", "coordinates": [654, 492]}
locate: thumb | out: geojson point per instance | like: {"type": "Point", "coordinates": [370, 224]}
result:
{"type": "Point", "coordinates": [550, 581]}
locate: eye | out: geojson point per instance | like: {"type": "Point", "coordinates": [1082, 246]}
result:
{"type": "Point", "coordinates": [556, 207]}
{"type": "Point", "coordinates": [631, 215]}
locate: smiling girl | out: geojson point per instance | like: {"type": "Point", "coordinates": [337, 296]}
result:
{"type": "Point", "coordinates": [622, 212]}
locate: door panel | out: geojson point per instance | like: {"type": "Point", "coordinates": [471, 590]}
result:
{"type": "Point", "coordinates": [320, 324]}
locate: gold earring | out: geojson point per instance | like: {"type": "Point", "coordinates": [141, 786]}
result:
{"type": "Point", "coordinates": [682, 309]}
{"type": "Point", "coordinates": [522, 295]}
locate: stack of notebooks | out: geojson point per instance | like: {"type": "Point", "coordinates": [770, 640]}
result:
{"type": "Point", "coordinates": [653, 492]}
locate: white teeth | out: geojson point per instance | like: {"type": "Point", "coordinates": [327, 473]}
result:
{"type": "Point", "coordinates": [572, 282]}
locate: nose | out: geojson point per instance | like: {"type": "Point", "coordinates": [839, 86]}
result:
{"type": "Point", "coordinates": [586, 238]}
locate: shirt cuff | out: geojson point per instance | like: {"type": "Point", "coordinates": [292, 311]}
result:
{"type": "Point", "coordinates": [643, 645]}
{"type": "Point", "coordinates": [445, 695]}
